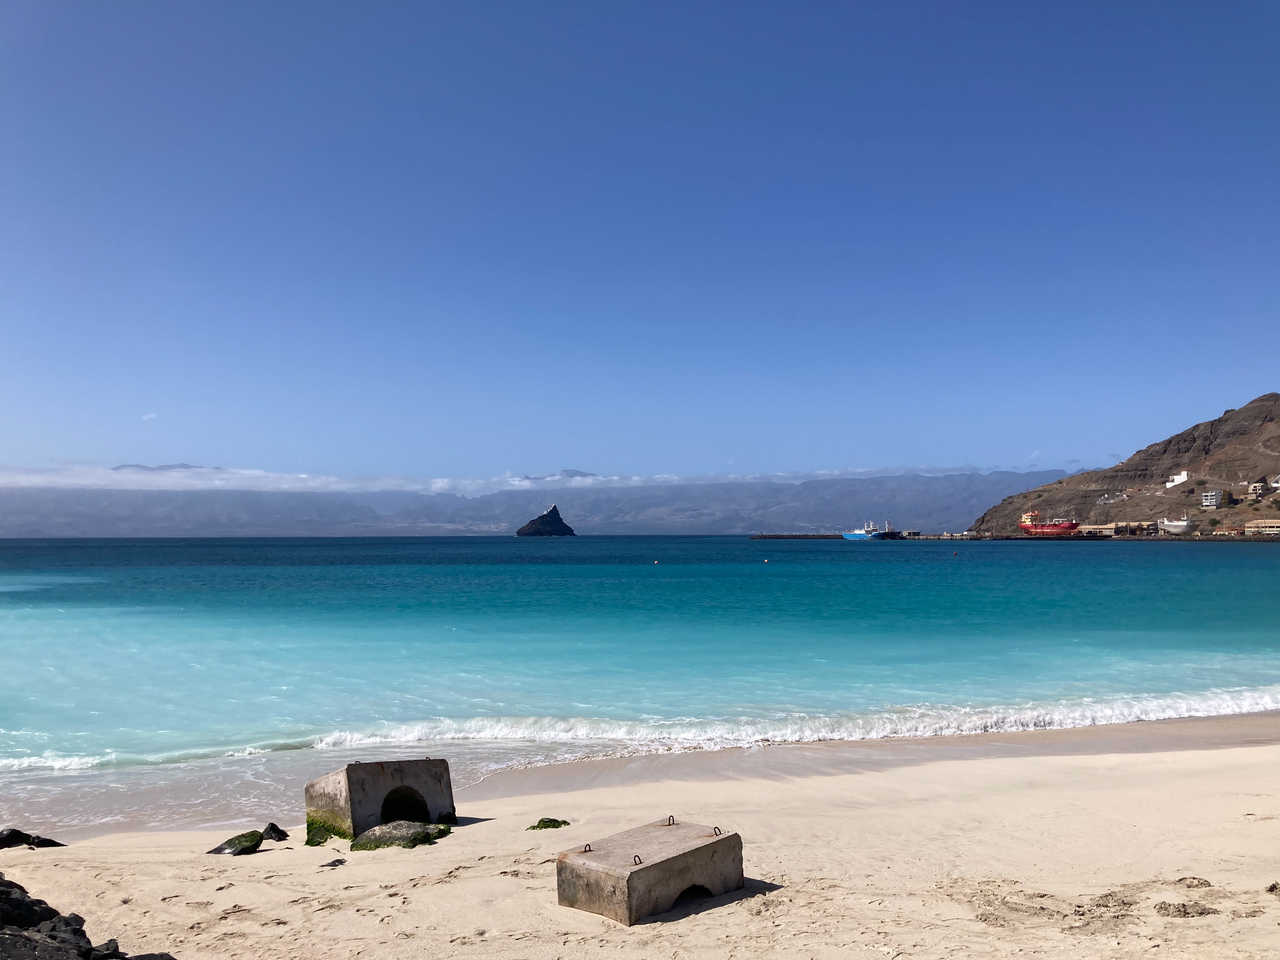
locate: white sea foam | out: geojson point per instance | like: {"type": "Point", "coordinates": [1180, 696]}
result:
{"type": "Point", "coordinates": [55, 761]}
{"type": "Point", "coordinates": [912, 721]}
{"type": "Point", "coordinates": [661, 735]}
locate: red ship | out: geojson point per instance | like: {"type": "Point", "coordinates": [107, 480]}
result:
{"type": "Point", "coordinates": [1032, 524]}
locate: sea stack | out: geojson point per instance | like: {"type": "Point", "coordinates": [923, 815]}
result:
{"type": "Point", "coordinates": [550, 524]}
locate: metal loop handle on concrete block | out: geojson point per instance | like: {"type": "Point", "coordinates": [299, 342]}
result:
{"type": "Point", "coordinates": [716, 831]}
{"type": "Point", "coordinates": [671, 821]}
{"type": "Point", "coordinates": [586, 848]}
{"type": "Point", "coordinates": [636, 859]}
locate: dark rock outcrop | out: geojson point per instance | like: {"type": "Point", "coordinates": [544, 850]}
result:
{"type": "Point", "coordinates": [400, 833]}
{"type": "Point", "coordinates": [549, 524]}
{"type": "Point", "coordinates": [30, 929]}
{"type": "Point", "coordinates": [250, 841]}
{"type": "Point", "coordinates": [13, 837]}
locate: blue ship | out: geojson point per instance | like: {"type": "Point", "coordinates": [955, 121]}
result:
{"type": "Point", "coordinates": [869, 531]}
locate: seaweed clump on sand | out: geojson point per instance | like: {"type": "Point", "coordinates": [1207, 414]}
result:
{"type": "Point", "coordinates": [1192, 908]}
{"type": "Point", "coordinates": [548, 823]}
{"type": "Point", "coordinates": [400, 833]}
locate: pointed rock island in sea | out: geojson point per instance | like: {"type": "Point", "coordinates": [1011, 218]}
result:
{"type": "Point", "coordinates": [550, 524]}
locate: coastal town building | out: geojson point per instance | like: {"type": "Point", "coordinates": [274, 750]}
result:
{"type": "Point", "coordinates": [1119, 528]}
{"type": "Point", "coordinates": [1257, 490]}
{"type": "Point", "coordinates": [1175, 479]}
{"type": "Point", "coordinates": [1263, 528]}
{"type": "Point", "coordinates": [1097, 529]}
{"type": "Point", "coordinates": [1275, 481]}
{"type": "Point", "coordinates": [1211, 499]}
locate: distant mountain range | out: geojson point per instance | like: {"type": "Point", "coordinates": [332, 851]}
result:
{"type": "Point", "coordinates": [944, 502]}
{"type": "Point", "coordinates": [1229, 453]}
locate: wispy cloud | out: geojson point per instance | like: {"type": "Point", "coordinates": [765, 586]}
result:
{"type": "Point", "coordinates": [148, 417]}
{"type": "Point", "coordinates": [188, 477]}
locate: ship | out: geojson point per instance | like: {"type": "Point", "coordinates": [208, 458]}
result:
{"type": "Point", "coordinates": [1175, 528]}
{"type": "Point", "coordinates": [1032, 524]}
{"type": "Point", "coordinates": [869, 531]}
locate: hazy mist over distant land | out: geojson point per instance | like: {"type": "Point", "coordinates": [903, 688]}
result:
{"type": "Point", "coordinates": [183, 499]}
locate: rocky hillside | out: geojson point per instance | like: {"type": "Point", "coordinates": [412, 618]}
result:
{"type": "Point", "coordinates": [1227, 453]}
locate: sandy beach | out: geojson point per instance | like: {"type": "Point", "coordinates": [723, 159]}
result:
{"type": "Point", "coordinates": [1054, 844]}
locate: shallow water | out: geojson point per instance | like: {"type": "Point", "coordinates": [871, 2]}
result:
{"type": "Point", "coordinates": [206, 666]}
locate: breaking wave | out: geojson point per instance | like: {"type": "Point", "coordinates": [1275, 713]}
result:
{"type": "Point", "coordinates": [663, 735]}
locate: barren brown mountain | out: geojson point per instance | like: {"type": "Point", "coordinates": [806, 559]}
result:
{"type": "Point", "coordinates": [1228, 454]}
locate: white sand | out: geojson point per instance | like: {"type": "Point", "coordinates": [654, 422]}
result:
{"type": "Point", "coordinates": [985, 857]}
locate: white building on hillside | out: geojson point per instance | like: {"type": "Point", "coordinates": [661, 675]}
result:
{"type": "Point", "coordinates": [1211, 499]}
{"type": "Point", "coordinates": [1175, 479]}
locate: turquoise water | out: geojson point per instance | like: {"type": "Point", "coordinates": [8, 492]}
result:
{"type": "Point", "coordinates": [124, 656]}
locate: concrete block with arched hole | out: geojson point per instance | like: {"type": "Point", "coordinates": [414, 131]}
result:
{"type": "Point", "coordinates": [637, 873]}
{"type": "Point", "coordinates": [347, 802]}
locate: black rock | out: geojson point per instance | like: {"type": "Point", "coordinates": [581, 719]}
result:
{"type": "Point", "coordinates": [30, 929]}
{"type": "Point", "coordinates": [335, 862]}
{"type": "Point", "coordinates": [550, 524]}
{"type": "Point", "coordinates": [250, 841]}
{"type": "Point", "coordinates": [17, 838]}
{"type": "Point", "coordinates": [240, 844]}
{"type": "Point", "coordinates": [67, 930]}
{"type": "Point", "coordinates": [24, 945]}
{"type": "Point", "coordinates": [19, 909]}
{"type": "Point", "coordinates": [107, 951]}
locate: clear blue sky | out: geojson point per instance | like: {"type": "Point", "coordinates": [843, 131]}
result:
{"type": "Point", "coordinates": [457, 239]}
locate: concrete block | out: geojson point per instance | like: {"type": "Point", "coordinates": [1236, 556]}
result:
{"type": "Point", "coordinates": [640, 872]}
{"type": "Point", "coordinates": [347, 802]}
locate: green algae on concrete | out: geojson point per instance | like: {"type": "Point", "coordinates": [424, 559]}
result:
{"type": "Point", "coordinates": [549, 823]}
{"type": "Point", "coordinates": [320, 828]}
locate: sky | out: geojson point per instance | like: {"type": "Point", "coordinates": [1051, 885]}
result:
{"type": "Point", "coordinates": [429, 239]}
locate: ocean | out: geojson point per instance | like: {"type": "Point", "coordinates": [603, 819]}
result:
{"type": "Point", "coordinates": [169, 683]}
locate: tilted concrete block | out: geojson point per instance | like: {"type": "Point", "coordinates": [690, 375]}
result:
{"type": "Point", "coordinates": [640, 872]}
{"type": "Point", "coordinates": [347, 802]}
